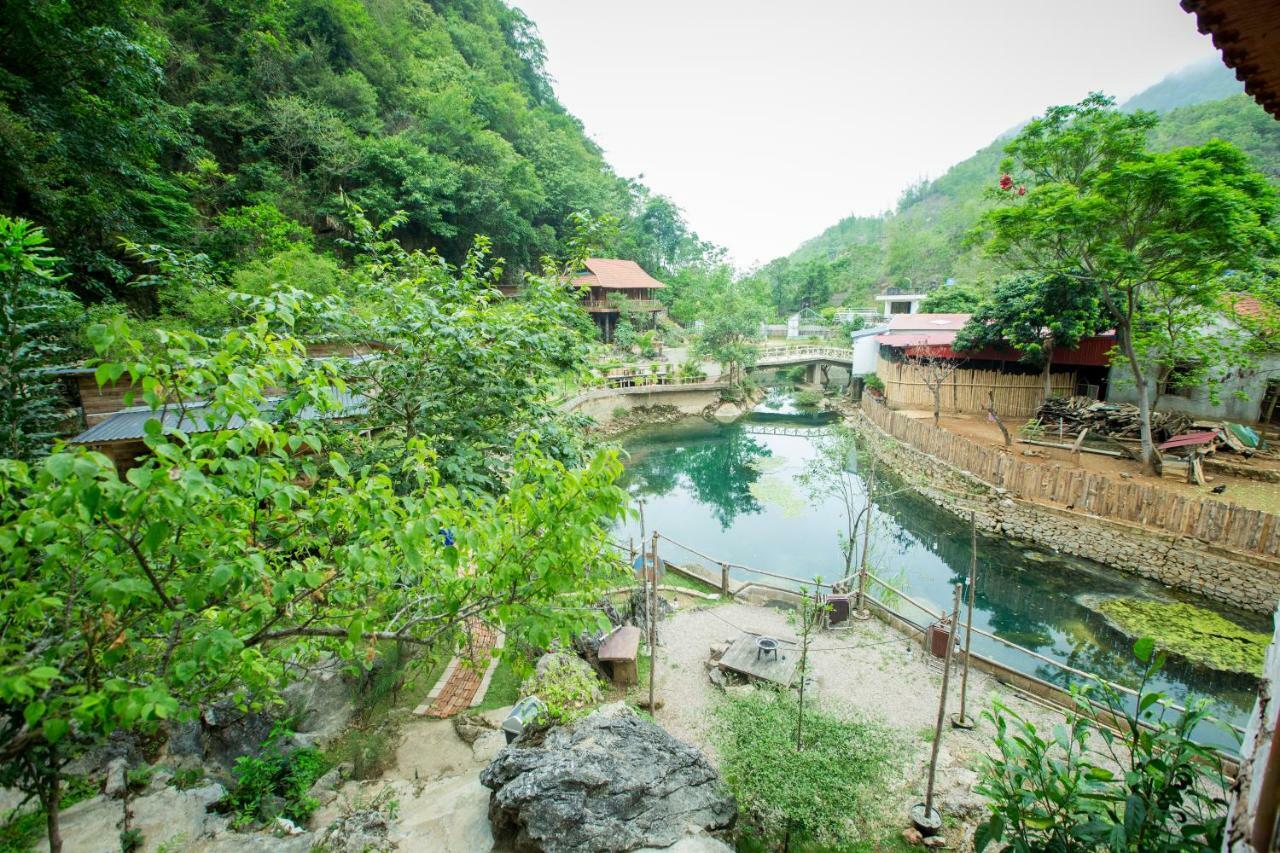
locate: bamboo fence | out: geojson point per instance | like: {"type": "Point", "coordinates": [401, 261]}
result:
{"type": "Point", "coordinates": [1226, 525]}
{"type": "Point", "coordinates": [1017, 395]}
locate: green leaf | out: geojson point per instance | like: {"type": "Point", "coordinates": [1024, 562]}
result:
{"type": "Point", "coordinates": [1143, 648]}
{"type": "Point", "coordinates": [33, 712]}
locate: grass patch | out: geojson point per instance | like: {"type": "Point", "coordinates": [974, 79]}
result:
{"type": "Point", "coordinates": [504, 687]}
{"type": "Point", "coordinates": [1192, 633]}
{"type": "Point", "coordinates": [830, 795]}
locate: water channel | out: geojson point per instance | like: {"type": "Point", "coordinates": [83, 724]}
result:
{"type": "Point", "coordinates": [731, 491]}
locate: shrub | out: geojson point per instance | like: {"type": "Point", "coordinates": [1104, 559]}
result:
{"type": "Point", "coordinates": [828, 793]}
{"type": "Point", "coordinates": [1047, 793]}
{"type": "Point", "coordinates": [874, 383]}
{"type": "Point", "coordinates": [276, 782]}
{"type": "Point", "coordinates": [807, 398]}
{"type": "Point", "coordinates": [567, 688]}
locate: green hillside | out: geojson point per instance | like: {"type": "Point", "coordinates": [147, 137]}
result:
{"type": "Point", "coordinates": [922, 243]}
{"type": "Point", "coordinates": [232, 129]}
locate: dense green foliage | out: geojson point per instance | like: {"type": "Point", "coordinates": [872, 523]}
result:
{"type": "Point", "coordinates": [224, 556]}
{"type": "Point", "coordinates": [828, 792]}
{"type": "Point", "coordinates": [1034, 315]}
{"type": "Point", "coordinates": [923, 243]}
{"type": "Point", "coordinates": [230, 127]}
{"type": "Point", "coordinates": [1155, 788]}
{"type": "Point", "coordinates": [275, 782]}
{"type": "Point", "coordinates": [34, 314]}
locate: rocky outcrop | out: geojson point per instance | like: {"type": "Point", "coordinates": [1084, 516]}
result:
{"type": "Point", "coordinates": [609, 782]}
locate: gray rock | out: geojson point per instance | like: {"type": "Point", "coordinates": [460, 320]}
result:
{"type": "Point", "coordinates": [328, 782]}
{"type": "Point", "coordinates": [321, 703]}
{"type": "Point", "coordinates": [609, 782]}
{"type": "Point", "coordinates": [172, 817]}
{"type": "Point", "coordinates": [116, 781]}
{"type": "Point", "coordinates": [362, 831]}
{"type": "Point", "coordinates": [716, 674]}
{"type": "Point", "coordinates": [471, 726]}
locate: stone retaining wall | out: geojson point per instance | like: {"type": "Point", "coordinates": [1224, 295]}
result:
{"type": "Point", "coordinates": [1243, 580]}
{"type": "Point", "coordinates": [600, 403]}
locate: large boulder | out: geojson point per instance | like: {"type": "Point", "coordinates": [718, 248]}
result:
{"type": "Point", "coordinates": [609, 782]}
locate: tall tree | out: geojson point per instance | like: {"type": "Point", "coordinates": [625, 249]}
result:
{"type": "Point", "coordinates": [33, 314]}
{"type": "Point", "coordinates": [731, 328]}
{"type": "Point", "coordinates": [1083, 198]}
{"type": "Point", "coordinates": [1034, 315]}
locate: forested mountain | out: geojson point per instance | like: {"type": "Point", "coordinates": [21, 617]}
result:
{"type": "Point", "coordinates": [232, 128]}
{"type": "Point", "coordinates": [922, 243]}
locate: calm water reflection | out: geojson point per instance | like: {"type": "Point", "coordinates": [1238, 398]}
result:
{"type": "Point", "coordinates": [731, 492]}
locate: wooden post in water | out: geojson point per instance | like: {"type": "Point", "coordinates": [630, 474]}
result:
{"type": "Point", "coordinates": [961, 721]}
{"type": "Point", "coordinates": [928, 819]}
{"type": "Point", "coordinates": [724, 579]}
{"type": "Point", "coordinates": [861, 609]}
{"type": "Point", "coordinates": [653, 625]}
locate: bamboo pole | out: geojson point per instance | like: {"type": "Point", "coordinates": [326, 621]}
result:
{"type": "Point", "coordinates": [653, 626]}
{"type": "Point", "coordinates": [931, 818]}
{"type": "Point", "coordinates": [861, 609]}
{"type": "Point", "coordinates": [961, 721]}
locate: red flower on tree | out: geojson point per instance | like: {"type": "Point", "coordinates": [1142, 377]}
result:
{"type": "Point", "coordinates": [1022, 190]}
{"type": "Point", "coordinates": [1006, 182]}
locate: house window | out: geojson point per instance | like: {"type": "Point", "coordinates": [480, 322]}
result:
{"type": "Point", "coordinates": [899, 307]}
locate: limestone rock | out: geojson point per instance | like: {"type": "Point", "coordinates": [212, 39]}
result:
{"type": "Point", "coordinates": [116, 781]}
{"type": "Point", "coordinates": [609, 782]}
{"type": "Point", "coordinates": [168, 815]}
{"type": "Point", "coordinates": [321, 703]}
{"type": "Point", "coordinates": [363, 831]}
{"type": "Point", "coordinates": [471, 726]}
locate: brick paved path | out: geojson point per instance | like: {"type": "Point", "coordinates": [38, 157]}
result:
{"type": "Point", "coordinates": [463, 683]}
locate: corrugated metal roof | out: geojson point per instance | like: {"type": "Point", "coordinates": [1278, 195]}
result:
{"type": "Point", "coordinates": [129, 425]}
{"type": "Point", "coordinates": [927, 322]}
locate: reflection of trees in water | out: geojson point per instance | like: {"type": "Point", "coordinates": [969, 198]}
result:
{"type": "Point", "coordinates": [717, 467]}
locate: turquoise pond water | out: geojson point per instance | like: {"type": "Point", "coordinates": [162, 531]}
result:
{"type": "Point", "coordinates": [730, 491]}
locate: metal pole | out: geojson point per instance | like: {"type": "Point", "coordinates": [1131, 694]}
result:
{"type": "Point", "coordinates": [653, 626]}
{"type": "Point", "coordinates": [942, 700]}
{"type": "Point", "coordinates": [961, 721]}
{"type": "Point", "coordinates": [866, 539]}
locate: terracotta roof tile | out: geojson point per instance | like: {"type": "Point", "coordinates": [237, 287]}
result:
{"type": "Point", "coordinates": [616, 274]}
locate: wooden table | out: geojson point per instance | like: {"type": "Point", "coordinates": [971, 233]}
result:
{"type": "Point", "coordinates": [778, 669]}
{"type": "Point", "coordinates": [619, 651]}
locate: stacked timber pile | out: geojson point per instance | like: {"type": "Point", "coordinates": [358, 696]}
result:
{"type": "Point", "coordinates": [1118, 420]}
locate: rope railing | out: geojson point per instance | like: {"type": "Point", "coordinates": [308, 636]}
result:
{"type": "Point", "coordinates": [933, 615]}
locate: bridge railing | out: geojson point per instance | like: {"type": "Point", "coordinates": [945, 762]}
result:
{"type": "Point", "coordinates": [797, 353]}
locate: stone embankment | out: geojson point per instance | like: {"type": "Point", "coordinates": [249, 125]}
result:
{"type": "Point", "coordinates": [1249, 581]}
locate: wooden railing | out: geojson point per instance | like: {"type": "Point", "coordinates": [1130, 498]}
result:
{"type": "Point", "coordinates": [1218, 523]}
{"type": "Point", "coordinates": [632, 305]}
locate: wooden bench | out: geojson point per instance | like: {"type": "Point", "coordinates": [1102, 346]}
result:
{"type": "Point", "coordinates": [619, 651]}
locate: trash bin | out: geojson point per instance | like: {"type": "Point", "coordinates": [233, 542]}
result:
{"type": "Point", "coordinates": [939, 636]}
{"type": "Point", "coordinates": [525, 712]}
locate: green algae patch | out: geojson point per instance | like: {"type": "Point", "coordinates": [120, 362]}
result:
{"type": "Point", "coordinates": [776, 491]}
{"type": "Point", "coordinates": [1192, 633]}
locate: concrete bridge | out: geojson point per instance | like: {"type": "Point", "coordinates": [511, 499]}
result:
{"type": "Point", "coordinates": [818, 360]}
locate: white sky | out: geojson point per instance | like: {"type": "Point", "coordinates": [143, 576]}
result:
{"type": "Point", "coordinates": [767, 121]}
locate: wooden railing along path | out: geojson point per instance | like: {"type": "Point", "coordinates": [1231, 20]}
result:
{"type": "Point", "coordinates": [1219, 523]}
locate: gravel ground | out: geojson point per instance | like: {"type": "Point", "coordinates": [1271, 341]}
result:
{"type": "Point", "coordinates": [883, 676]}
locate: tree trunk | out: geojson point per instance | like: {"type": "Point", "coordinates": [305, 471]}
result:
{"type": "Point", "coordinates": [1048, 378]}
{"type": "Point", "coordinates": [991, 410]}
{"type": "Point", "coordinates": [937, 405]}
{"type": "Point", "coordinates": [50, 794]}
{"type": "Point", "coordinates": [1144, 404]}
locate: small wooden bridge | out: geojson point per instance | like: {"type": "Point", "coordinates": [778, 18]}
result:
{"type": "Point", "coordinates": [778, 429]}
{"type": "Point", "coordinates": [780, 356]}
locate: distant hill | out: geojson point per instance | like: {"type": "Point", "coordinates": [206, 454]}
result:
{"type": "Point", "coordinates": [922, 243]}
{"type": "Point", "coordinates": [1209, 80]}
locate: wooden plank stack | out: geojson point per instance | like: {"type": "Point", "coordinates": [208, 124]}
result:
{"type": "Point", "coordinates": [1118, 420]}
